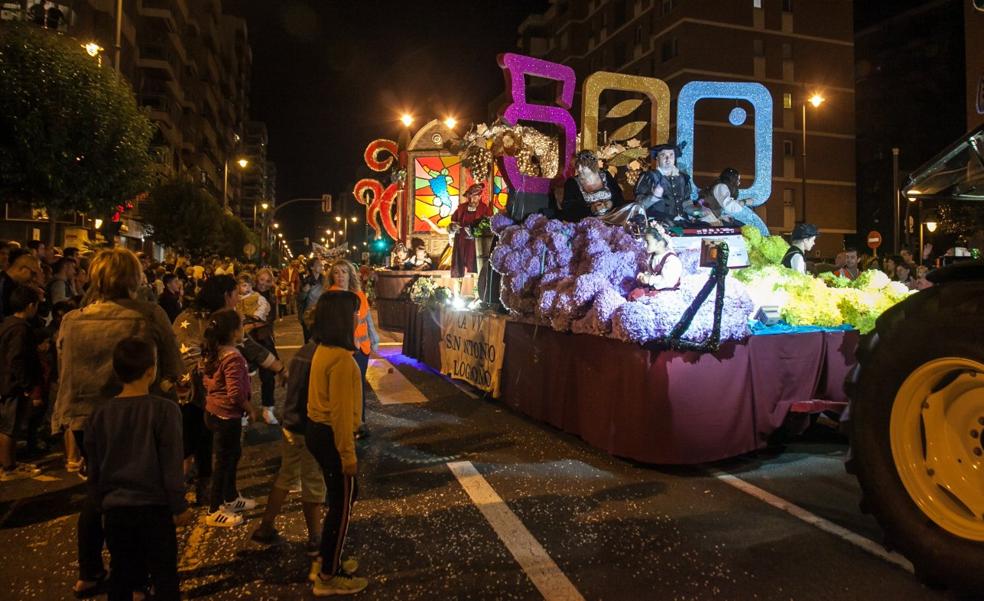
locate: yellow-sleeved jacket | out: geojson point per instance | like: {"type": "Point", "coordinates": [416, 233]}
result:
{"type": "Point", "coordinates": [335, 396]}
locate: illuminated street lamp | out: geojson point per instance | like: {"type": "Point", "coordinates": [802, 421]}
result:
{"type": "Point", "coordinates": [355, 220]}
{"type": "Point", "coordinates": [95, 51]}
{"type": "Point", "coordinates": [450, 122]}
{"type": "Point", "coordinates": [243, 163]}
{"type": "Point", "coordinates": [338, 217]}
{"type": "Point", "coordinates": [276, 225]}
{"type": "Point", "coordinates": [407, 119]}
{"type": "Point", "coordinates": [264, 205]}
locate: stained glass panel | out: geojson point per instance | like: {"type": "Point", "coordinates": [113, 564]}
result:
{"type": "Point", "coordinates": [437, 184]}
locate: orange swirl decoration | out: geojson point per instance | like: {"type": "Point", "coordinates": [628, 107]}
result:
{"type": "Point", "coordinates": [380, 202]}
{"type": "Point", "coordinates": [378, 147]}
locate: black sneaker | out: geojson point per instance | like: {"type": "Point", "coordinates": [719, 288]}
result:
{"type": "Point", "coordinates": [267, 537]}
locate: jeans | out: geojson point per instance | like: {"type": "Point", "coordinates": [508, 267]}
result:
{"type": "Point", "coordinates": [362, 360]}
{"type": "Point", "coordinates": [268, 379]}
{"type": "Point", "coordinates": [197, 438]}
{"type": "Point", "coordinates": [142, 543]}
{"type": "Point", "coordinates": [89, 535]}
{"type": "Point", "coordinates": [228, 450]}
{"type": "Point", "coordinates": [342, 491]}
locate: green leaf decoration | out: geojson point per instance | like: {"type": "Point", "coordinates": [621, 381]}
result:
{"type": "Point", "coordinates": [628, 130]}
{"type": "Point", "coordinates": [624, 108]}
{"type": "Point", "coordinates": [632, 154]}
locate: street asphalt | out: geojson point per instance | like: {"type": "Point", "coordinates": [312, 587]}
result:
{"type": "Point", "coordinates": [554, 519]}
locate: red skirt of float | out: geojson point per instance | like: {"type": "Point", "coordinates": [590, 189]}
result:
{"type": "Point", "coordinates": [661, 407]}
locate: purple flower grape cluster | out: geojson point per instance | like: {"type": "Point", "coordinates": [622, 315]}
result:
{"type": "Point", "coordinates": [576, 278]}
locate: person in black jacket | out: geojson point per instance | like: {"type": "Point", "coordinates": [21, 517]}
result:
{"type": "Point", "coordinates": [170, 299]}
{"type": "Point", "coordinates": [592, 192]}
{"type": "Point", "coordinates": [20, 378]}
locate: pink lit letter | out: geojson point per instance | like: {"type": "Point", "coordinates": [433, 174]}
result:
{"type": "Point", "coordinates": [516, 67]}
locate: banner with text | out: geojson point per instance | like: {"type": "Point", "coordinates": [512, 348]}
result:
{"type": "Point", "coordinates": [472, 347]}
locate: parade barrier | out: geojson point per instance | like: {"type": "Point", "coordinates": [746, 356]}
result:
{"type": "Point", "coordinates": [662, 407]}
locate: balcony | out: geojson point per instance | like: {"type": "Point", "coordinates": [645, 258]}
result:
{"type": "Point", "coordinates": [158, 57]}
{"type": "Point", "coordinates": [158, 9]}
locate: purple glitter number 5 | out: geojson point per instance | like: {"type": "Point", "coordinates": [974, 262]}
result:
{"type": "Point", "coordinates": [516, 67]}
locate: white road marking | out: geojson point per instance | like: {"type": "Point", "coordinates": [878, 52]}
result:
{"type": "Point", "coordinates": [552, 583]}
{"type": "Point", "coordinates": [814, 520]}
{"type": "Point", "coordinates": [391, 386]}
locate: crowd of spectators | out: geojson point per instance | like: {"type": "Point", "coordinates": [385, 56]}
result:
{"type": "Point", "coordinates": [141, 371]}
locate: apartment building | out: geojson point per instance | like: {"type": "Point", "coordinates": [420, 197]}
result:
{"type": "Point", "coordinates": [257, 180]}
{"type": "Point", "coordinates": [793, 47]}
{"type": "Point", "coordinates": [189, 64]}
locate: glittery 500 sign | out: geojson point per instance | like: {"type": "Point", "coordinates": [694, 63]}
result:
{"type": "Point", "coordinates": [517, 67]}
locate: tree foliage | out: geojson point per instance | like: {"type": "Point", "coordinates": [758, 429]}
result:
{"type": "Point", "coordinates": [187, 218]}
{"type": "Point", "coordinates": [71, 135]}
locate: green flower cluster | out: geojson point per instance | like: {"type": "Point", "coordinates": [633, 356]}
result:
{"type": "Point", "coordinates": [426, 292]}
{"type": "Point", "coordinates": [827, 301]}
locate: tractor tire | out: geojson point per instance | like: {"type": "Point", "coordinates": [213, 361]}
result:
{"type": "Point", "coordinates": [925, 354]}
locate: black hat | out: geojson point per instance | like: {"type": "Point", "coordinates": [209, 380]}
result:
{"type": "Point", "coordinates": [676, 148]}
{"type": "Point", "coordinates": [802, 231]}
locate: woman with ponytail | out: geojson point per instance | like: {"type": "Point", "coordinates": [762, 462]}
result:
{"type": "Point", "coordinates": [227, 392]}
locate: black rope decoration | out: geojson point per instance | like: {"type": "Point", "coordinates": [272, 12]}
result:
{"type": "Point", "coordinates": [674, 341]}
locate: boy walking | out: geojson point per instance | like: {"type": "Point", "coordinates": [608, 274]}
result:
{"type": "Point", "coordinates": [20, 379]}
{"type": "Point", "coordinates": [134, 449]}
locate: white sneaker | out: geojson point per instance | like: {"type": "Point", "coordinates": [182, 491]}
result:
{"type": "Point", "coordinates": [19, 471]}
{"type": "Point", "coordinates": [269, 417]}
{"type": "Point", "coordinates": [245, 422]}
{"type": "Point", "coordinates": [223, 518]}
{"type": "Point", "coordinates": [240, 504]}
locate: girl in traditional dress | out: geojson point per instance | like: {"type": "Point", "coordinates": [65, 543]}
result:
{"type": "Point", "coordinates": [663, 267]}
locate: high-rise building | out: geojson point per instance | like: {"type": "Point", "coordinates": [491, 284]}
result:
{"type": "Point", "coordinates": [254, 183]}
{"type": "Point", "coordinates": [974, 36]}
{"type": "Point", "coordinates": [793, 47]}
{"type": "Point", "coordinates": [189, 65]}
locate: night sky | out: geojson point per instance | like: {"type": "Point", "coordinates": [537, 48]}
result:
{"type": "Point", "coordinates": [329, 77]}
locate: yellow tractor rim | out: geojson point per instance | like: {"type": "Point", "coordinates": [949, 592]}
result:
{"type": "Point", "coordinates": [937, 433]}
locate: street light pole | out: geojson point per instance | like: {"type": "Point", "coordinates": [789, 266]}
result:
{"type": "Point", "coordinates": [816, 100]}
{"type": "Point", "coordinates": [803, 167]}
{"type": "Point", "coordinates": [117, 49]}
{"type": "Point", "coordinates": [896, 200]}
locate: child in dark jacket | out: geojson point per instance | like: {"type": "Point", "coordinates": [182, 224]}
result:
{"type": "Point", "coordinates": [227, 392]}
{"type": "Point", "coordinates": [133, 445]}
{"type": "Point", "coordinates": [20, 379]}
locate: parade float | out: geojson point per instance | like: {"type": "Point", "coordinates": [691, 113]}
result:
{"type": "Point", "coordinates": [700, 371]}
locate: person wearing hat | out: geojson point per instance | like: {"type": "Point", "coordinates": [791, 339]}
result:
{"type": "Point", "coordinates": [591, 192]}
{"type": "Point", "coordinates": [468, 213]}
{"type": "Point", "coordinates": [664, 188]}
{"type": "Point", "coordinates": [803, 238]}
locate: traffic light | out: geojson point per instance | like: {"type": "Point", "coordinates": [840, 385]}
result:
{"type": "Point", "coordinates": [380, 245]}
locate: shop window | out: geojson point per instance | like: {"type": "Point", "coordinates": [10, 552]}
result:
{"type": "Point", "coordinates": [787, 101]}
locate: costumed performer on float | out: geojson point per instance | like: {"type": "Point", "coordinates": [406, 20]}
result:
{"type": "Point", "coordinates": [664, 188]}
{"type": "Point", "coordinates": [803, 238]}
{"type": "Point", "coordinates": [591, 192]}
{"type": "Point", "coordinates": [725, 192]}
{"type": "Point", "coordinates": [663, 266]}
{"type": "Point", "coordinates": [419, 261]}
{"type": "Point", "coordinates": [464, 217]}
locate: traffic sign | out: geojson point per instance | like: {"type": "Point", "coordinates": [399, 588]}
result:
{"type": "Point", "coordinates": [874, 240]}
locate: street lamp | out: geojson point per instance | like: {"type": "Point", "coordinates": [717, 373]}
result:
{"type": "Point", "coordinates": [338, 217]}
{"type": "Point", "coordinates": [450, 122]}
{"type": "Point", "coordinates": [95, 51]}
{"type": "Point", "coordinates": [276, 225]}
{"type": "Point", "coordinates": [816, 100]}
{"type": "Point", "coordinates": [243, 163]}
{"type": "Point", "coordinates": [264, 205]}
{"type": "Point", "coordinates": [406, 119]}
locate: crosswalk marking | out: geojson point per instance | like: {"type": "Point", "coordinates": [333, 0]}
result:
{"type": "Point", "coordinates": [545, 575]}
{"type": "Point", "coordinates": [391, 386]}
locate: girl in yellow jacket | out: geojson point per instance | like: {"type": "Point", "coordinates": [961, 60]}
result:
{"type": "Point", "coordinates": [334, 414]}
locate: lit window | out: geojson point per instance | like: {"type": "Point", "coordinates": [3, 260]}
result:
{"type": "Point", "coordinates": [787, 101]}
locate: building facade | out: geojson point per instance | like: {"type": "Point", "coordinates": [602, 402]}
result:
{"type": "Point", "coordinates": [189, 64]}
{"type": "Point", "coordinates": [974, 36]}
{"type": "Point", "coordinates": [793, 47]}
